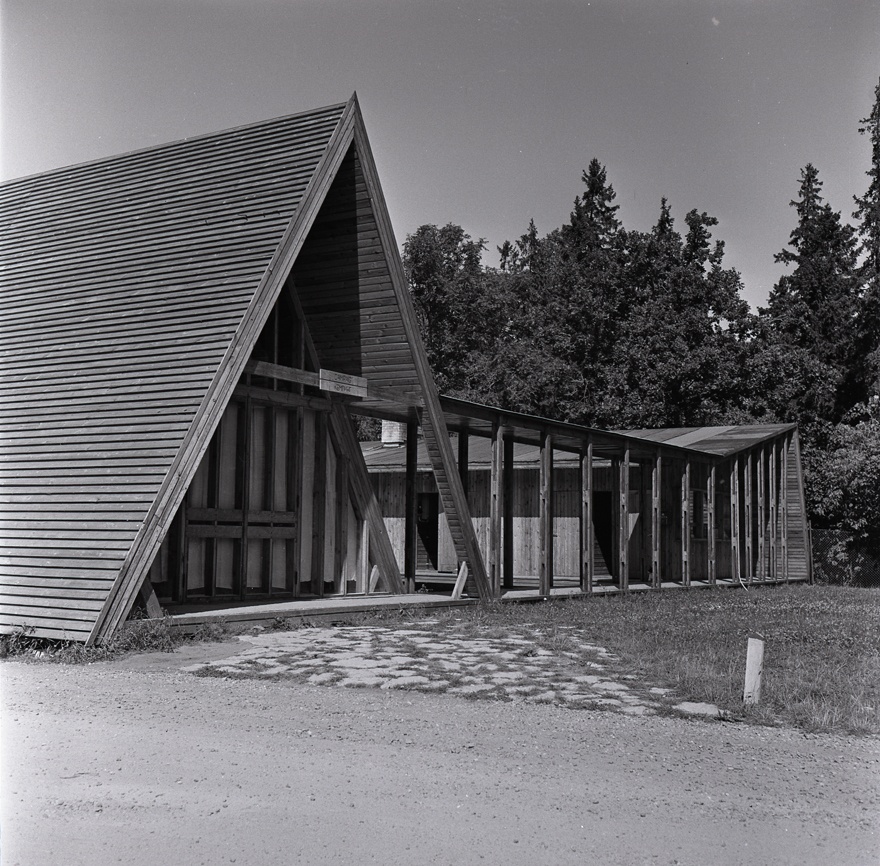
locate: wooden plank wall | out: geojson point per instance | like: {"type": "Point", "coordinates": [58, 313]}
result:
{"type": "Point", "coordinates": [124, 281]}
{"type": "Point", "coordinates": [344, 285]}
{"type": "Point", "coordinates": [390, 491]}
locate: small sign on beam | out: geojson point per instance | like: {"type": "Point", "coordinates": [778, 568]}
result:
{"type": "Point", "coordinates": [340, 383]}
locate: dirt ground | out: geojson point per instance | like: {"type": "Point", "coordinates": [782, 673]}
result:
{"type": "Point", "coordinates": [138, 762]}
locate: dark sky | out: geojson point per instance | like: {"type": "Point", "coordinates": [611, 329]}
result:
{"type": "Point", "coordinates": [482, 113]}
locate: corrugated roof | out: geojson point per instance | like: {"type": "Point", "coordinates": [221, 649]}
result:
{"type": "Point", "coordinates": [718, 441]}
{"type": "Point", "coordinates": [124, 282]}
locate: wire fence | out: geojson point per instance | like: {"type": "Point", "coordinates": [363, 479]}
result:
{"type": "Point", "coordinates": [838, 559]}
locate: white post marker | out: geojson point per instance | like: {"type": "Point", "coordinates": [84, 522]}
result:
{"type": "Point", "coordinates": [754, 669]}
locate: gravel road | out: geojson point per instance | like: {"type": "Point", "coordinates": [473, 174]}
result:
{"type": "Point", "coordinates": [138, 762]}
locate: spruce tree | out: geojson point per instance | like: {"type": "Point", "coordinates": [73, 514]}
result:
{"type": "Point", "coordinates": [868, 213]}
{"type": "Point", "coordinates": [815, 307]}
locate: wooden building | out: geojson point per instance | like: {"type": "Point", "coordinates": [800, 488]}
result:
{"type": "Point", "coordinates": [188, 331]}
{"type": "Point", "coordinates": [556, 505]}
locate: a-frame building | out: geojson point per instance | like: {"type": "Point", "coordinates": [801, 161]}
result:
{"type": "Point", "coordinates": [184, 328]}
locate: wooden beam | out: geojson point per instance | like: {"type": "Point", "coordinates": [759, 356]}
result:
{"type": "Point", "coordinates": [686, 522]}
{"type": "Point", "coordinates": [656, 519]}
{"type": "Point", "coordinates": [281, 398]}
{"type": "Point", "coordinates": [710, 517]}
{"type": "Point", "coordinates": [374, 579]}
{"type": "Point", "coordinates": [365, 497]}
{"type": "Point", "coordinates": [148, 599]}
{"type": "Point", "coordinates": [748, 516]}
{"type": "Point", "coordinates": [545, 517]}
{"type": "Point", "coordinates": [507, 514]}
{"type": "Point", "coordinates": [496, 508]}
{"type": "Point", "coordinates": [587, 534]}
{"type": "Point", "coordinates": [623, 522]}
{"type": "Point", "coordinates": [411, 506]}
{"type": "Point", "coordinates": [307, 377]}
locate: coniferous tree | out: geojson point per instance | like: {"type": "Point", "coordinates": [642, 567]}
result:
{"type": "Point", "coordinates": [814, 309]}
{"type": "Point", "coordinates": [868, 213]}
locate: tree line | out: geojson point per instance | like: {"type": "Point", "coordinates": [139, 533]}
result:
{"type": "Point", "coordinates": [602, 325]}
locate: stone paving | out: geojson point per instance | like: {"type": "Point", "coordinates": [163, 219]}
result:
{"type": "Point", "coordinates": [517, 665]}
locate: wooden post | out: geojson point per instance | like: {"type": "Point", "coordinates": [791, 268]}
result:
{"type": "Point", "coordinates": [735, 566]}
{"type": "Point", "coordinates": [686, 523]}
{"type": "Point", "coordinates": [341, 541]}
{"type": "Point", "coordinates": [319, 503]}
{"type": "Point", "coordinates": [460, 581]}
{"type": "Point", "coordinates": [783, 504]}
{"type": "Point", "coordinates": [747, 496]}
{"type": "Point", "coordinates": [507, 511]}
{"type": "Point", "coordinates": [623, 522]}
{"type": "Point", "coordinates": [710, 519]}
{"type": "Point", "coordinates": [411, 506]}
{"type": "Point", "coordinates": [588, 537]}
{"type": "Point", "coordinates": [364, 565]}
{"type": "Point", "coordinates": [148, 599]}
{"type": "Point", "coordinates": [656, 519]}
{"type": "Point", "coordinates": [762, 512]}
{"type": "Point", "coordinates": [754, 669]}
{"type": "Point", "coordinates": [546, 514]}
{"type": "Point", "coordinates": [244, 448]}
{"type": "Point", "coordinates": [774, 511]}
{"type": "Point", "coordinates": [614, 558]}
{"type": "Point", "coordinates": [463, 443]}
{"type": "Point", "coordinates": [496, 508]}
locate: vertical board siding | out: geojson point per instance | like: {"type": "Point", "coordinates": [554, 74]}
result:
{"type": "Point", "coordinates": [344, 285]}
{"type": "Point", "coordinates": [124, 281]}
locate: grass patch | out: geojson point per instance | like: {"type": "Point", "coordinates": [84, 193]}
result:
{"type": "Point", "coordinates": [134, 636]}
{"type": "Point", "coordinates": [822, 646]}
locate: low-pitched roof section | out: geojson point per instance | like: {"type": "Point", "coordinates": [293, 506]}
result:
{"type": "Point", "coordinates": [134, 289]}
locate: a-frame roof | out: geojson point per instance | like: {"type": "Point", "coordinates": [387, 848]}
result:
{"type": "Point", "coordinates": [134, 289]}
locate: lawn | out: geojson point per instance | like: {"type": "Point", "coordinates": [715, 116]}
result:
{"type": "Point", "coordinates": [821, 658]}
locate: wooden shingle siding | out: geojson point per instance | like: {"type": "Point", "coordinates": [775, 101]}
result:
{"type": "Point", "coordinates": [124, 282]}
